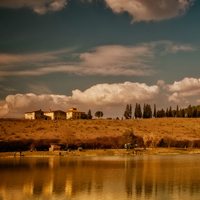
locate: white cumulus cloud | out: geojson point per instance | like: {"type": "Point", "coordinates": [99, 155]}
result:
{"type": "Point", "coordinates": [184, 89]}
{"type": "Point", "coordinates": [117, 93]}
{"type": "Point", "coordinates": [185, 85]}
{"type": "Point", "coordinates": [160, 82]}
{"type": "Point", "coordinates": [140, 10]}
{"type": "Point", "coordinates": [147, 10]}
{"type": "Point", "coordinates": [110, 97]}
{"type": "Point", "coordinates": [16, 105]}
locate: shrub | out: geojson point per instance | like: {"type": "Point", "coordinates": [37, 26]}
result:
{"type": "Point", "coordinates": [40, 128]}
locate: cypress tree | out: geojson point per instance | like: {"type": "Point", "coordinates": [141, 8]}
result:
{"type": "Point", "coordinates": [183, 112]}
{"type": "Point", "coordinates": [147, 111]}
{"type": "Point", "coordinates": [130, 111]}
{"type": "Point", "coordinates": [161, 113]}
{"type": "Point", "coordinates": [170, 112]}
{"type": "Point", "coordinates": [89, 115]}
{"type": "Point", "coordinates": [126, 112]}
{"type": "Point", "coordinates": [139, 111]}
{"type": "Point", "coordinates": [135, 113]}
{"type": "Point", "coordinates": [189, 111]}
{"type": "Point", "coordinates": [154, 111]}
{"type": "Point", "coordinates": [195, 114]}
{"type": "Point", "coordinates": [167, 113]}
{"type": "Point", "coordinates": [144, 111]}
{"type": "Point", "coordinates": [180, 112]}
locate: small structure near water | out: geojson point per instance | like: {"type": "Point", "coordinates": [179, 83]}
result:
{"type": "Point", "coordinates": [57, 147]}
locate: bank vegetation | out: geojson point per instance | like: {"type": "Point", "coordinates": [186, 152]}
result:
{"type": "Point", "coordinates": [21, 135]}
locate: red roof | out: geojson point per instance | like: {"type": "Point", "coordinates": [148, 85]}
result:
{"type": "Point", "coordinates": [33, 111]}
{"type": "Point", "coordinates": [50, 111]}
{"type": "Point", "coordinates": [75, 111]}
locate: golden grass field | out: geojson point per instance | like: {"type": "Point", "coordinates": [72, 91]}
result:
{"type": "Point", "coordinates": [175, 128]}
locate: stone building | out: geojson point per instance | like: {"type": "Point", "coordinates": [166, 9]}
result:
{"type": "Point", "coordinates": [74, 114]}
{"type": "Point", "coordinates": [55, 114]}
{"type": "Point", "coordinates": [35, 114]}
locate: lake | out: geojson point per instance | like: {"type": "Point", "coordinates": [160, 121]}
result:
{"type": "Point", "coordinates": [101, 178]}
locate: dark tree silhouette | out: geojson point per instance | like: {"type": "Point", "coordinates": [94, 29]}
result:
{"type": "Point", "coordinates": [195, 113]}
{"type": "Point", "coordinates": [89, 115]}
{"type": "Point", "coordinates": [189, 111]}
{"type": "Point", "coordinates": [84, 116]}
{"type": "Point", "coordinates": [147, 112]}
{"type": "Point", "coordinates": [138, 112]}
{"type": "Point", "coordinates": [154, 111]}
{"type": "Point", "coordinates": [167, 113]}
{"type": "Point", "coordinates": [99, 114]}
{"type": "Point", "coordinates": [161, 113]}
{"type": "Point", "coordinates": [170, 112]}
{"type": "Point", "coordinates": [128, 112]}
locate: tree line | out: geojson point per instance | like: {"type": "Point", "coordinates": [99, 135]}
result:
{"type": "Point", "coordinates": [147, 112]}
{"type": "Point", "coordinates": [98, 114]}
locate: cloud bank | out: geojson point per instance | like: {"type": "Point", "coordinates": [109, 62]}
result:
{"type": "Point", "coordinates": [105, 60]}
{"type": "Point", "coordinates": [38, 6]}
{"type": "Point", "coordinates": [147, 10]}
{"type": "Point", "coordinates": [110, 98]}
{"type": "Point", "coordinates": [122, 93]}
{"type": "Point", "coordinates": [118, 60]}
{"type": "Point", "coordinates": [139, 10]}
{"type": "Point", "coordinates": [184, 89]}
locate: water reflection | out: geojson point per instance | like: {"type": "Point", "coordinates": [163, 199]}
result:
{"type": "Point", "coordinates": [139, 177]}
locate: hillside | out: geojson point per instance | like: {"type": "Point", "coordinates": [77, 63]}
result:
{"type": "Point", "coordinates": [152, 131]}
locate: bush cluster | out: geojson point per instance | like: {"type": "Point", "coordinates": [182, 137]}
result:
{"type": "Point", "coordinates": [97, 143]}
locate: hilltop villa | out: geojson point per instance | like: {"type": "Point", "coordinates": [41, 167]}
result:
{"type": "Point", "coordinates": [35, 114]}
{"type": "Point", "coordinates": [74, 114]}
{"type": "Point", "coordinates": [54, 114]}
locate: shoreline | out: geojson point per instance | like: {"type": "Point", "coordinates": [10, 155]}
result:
{"type": "Point", "coordinates": [101, 152]}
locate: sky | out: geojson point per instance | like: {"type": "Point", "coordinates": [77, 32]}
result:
{"type": "Point", "coordinates": [98, 55]}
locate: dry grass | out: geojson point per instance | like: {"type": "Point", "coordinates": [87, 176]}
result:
{"type": "Point", "coordinates": [153, 131]}
{"type": "Point", "coordinates": [176, 128]}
